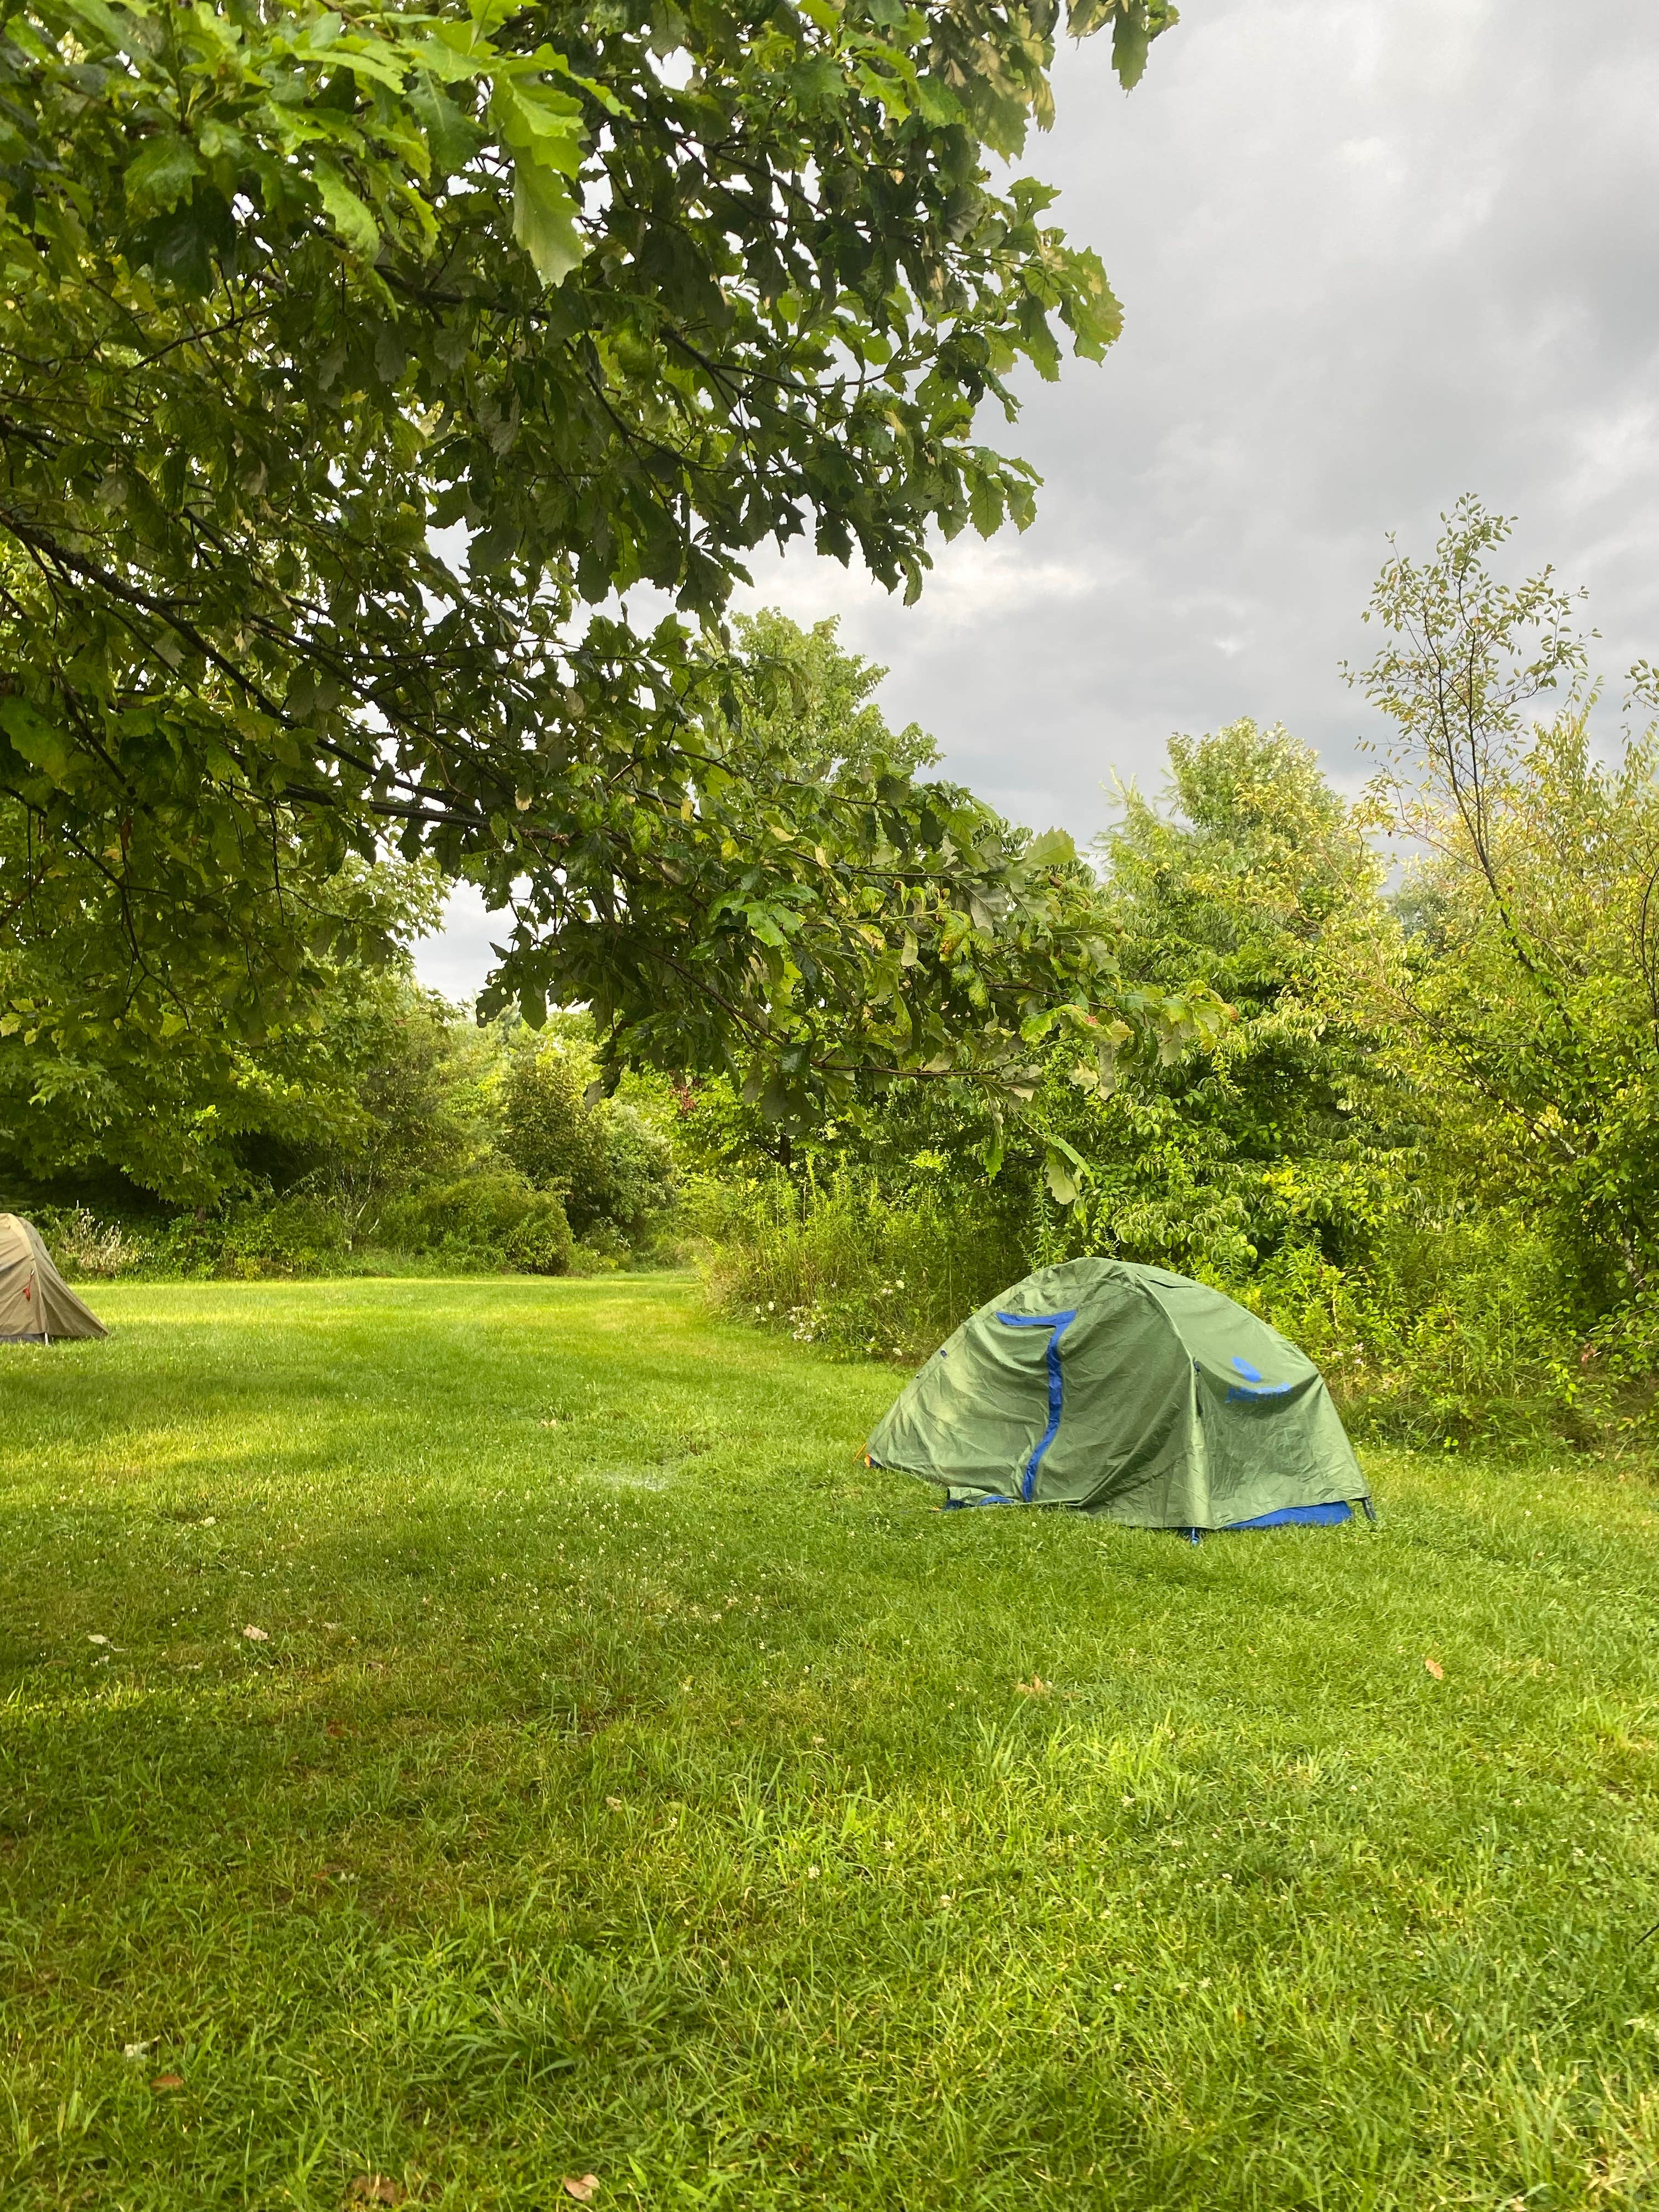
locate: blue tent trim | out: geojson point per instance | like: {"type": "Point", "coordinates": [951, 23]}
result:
{"type": "Point", "coordinates": [1288, 1516]}
{"type": "Point", "coordinates": [1297, 1517]}
{"type": "Point", "coordinates": [1059, 1323]}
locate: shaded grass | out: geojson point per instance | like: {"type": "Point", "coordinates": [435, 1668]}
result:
{"type": "Point", "coordinates": [633, 1782]}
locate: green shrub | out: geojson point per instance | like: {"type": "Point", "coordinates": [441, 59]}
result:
{"type": "Point", "coordinates": [548, 1132]}
{"type": "Point", "coordinates": [542, 1243]}
{"type": "Point", "coordinates": [483, 1220]}
{"type": "Point", "coordinates": [639, 1187]}
{"type": "Point", "coordinates": [613, 1165]}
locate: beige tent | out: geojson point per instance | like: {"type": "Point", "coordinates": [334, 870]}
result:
{"type": "Point", "coordinates": [36, 1304]}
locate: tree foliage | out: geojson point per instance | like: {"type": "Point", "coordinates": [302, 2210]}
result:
{"type": "Point", "coordinates": [1526, 989]}
{"type": "Point", "coordinates": [206, 1059]}
{"type": "Point", "coordinates": [1250, 885]}
{"type": "Point", "coordinates": [353, 363]}
{"type": "Point", "coordinates": [808, 696]}
{"type": "Point", "coordinates": [612, 1167]}
{"type": "Point", "coordinates": [1255, 878]}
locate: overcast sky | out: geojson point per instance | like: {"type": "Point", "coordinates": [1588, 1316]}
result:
{"type": "Point", "coordinates": [1372, 253]}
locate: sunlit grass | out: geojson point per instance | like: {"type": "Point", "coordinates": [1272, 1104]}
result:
{"type": "Point", "coordinates": [628, 1782]}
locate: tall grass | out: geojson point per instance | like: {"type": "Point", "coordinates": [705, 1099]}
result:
{"type": "Point", "coordinates": [844, 1265]}
{"type": "Point", "coordinates": [490, 1223]}
{"type": "Point", "coordinates": [1455, 1333]}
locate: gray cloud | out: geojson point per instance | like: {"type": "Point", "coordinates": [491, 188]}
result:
{"type": "Point", "coordinates": [1372, 253]}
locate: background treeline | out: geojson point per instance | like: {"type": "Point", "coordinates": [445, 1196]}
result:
{"type": "Point", "coordinates": [420, 1138]}
{"type": "Point", "coordinates": [1423, 1144]}
{"type": "Point", "coordinates": [1343, 1159]}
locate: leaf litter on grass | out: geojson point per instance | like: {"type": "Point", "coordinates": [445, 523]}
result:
{"type": "Point", "coordinates": [375, 2189]}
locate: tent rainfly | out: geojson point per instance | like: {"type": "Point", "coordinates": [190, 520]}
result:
{"type": "Point", "coordinates": [1130, 1392]}
{"type": "Point", "coordinates": [36, 1304]}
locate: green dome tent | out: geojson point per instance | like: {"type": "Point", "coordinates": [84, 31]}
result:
{"type": "Point", "coordinates": [36, 1304]}
{"type": "Point", "coordinates": [1131, 1392]}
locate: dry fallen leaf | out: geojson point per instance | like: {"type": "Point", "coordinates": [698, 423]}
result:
{"type": "Point", "coordinates": [376, 2189]}
{"type": "Point", "coordinates": [168, 2082]}
{"type": "Point", "coordinates": [1435, 1669]}
{"type": "Point", "coordinates": [98, 1640]}
{"type": "Point", "coordinates": [583, 2189]}
{"type": "Point", "coordinates": [257, 1634]}
{"type": "Point", "coordinates": [1036, 1688]}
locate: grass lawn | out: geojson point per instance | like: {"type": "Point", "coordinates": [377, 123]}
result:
{"type": "Point", "coordinates": [625, 1781]}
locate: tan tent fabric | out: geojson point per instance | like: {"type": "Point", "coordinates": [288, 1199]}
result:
{"type": "Point", "coordinates": [36, 1304]}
